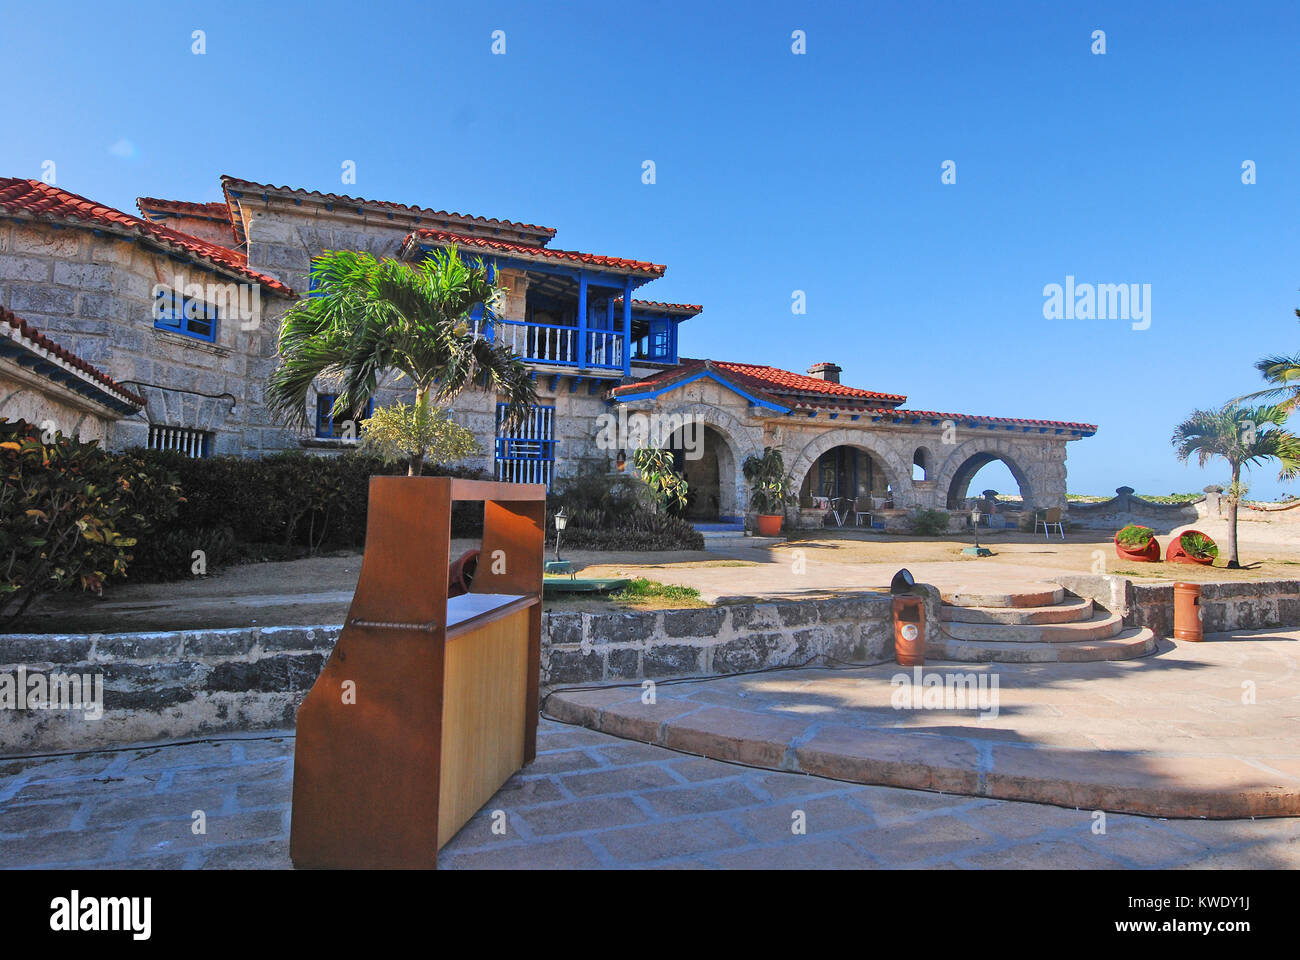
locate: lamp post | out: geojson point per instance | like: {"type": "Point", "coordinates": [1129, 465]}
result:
{"type": "Point", "coordinates": [976, 550]}
{"type": "Point", "coordinates": [561, 521]}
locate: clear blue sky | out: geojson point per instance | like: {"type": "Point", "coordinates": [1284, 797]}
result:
{"type": "Point", "coordinates": [775, 172]}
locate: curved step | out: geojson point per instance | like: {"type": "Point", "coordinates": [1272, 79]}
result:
{"type": "Point", "coordinates": [1101, 626]}
{"type": "Point", "coordinates": [1135, 642]}
{"type": "Point", "coordinates": [1029, 595]}
{"type": "Point", "coordinates": [1069, 611]}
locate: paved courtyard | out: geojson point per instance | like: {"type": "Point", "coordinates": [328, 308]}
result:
{"type": "Point", "coordinates": [590, 800]}
{"type": "Point", "coordinates": [1198, 729]}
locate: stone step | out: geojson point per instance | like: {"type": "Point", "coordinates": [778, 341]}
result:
{"type": "Point", "coordinates": [1068, 611]}
{"type": "Point", "coordinates": [1100, 626]}
{"type": "Point", "coordinates": [1029, 595]}
{"type": "Point", "coordinates": [1135, 642]}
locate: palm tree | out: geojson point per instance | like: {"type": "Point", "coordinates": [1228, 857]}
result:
{"type": "Point", "coordinates": [1243, 436]}
{"type": "Point", "coordinates": [367, 317]}
{"type": "Point", "coordinates": [1283, 373]}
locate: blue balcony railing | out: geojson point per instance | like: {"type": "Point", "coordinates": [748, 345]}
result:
{"type": "Point", "coordinates": [561, 345]}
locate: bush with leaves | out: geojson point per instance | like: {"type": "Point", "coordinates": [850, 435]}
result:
{"type": "Point", "coordinates": [616, 513]}
{"type": "Point", "coordinates": [70, 514]}
{"type": "Point", "coordinates": [419, 434]}
{"type": "Point", "coordinates": [1134, 536]}
{"type": "Point", "coordinates": [289, 504]}
{"type": "Point", "coordinates": [170, 554]}
{"type": "Point", "coordinates": [657, 470]}
{"type": "Point", "coordinates": [924, 522]}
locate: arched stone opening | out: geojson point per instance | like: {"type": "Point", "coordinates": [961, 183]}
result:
{"type": "Point", "coordinates": [705, 456]}
{"type": "Point", "coordinates": [922, 465]}
{"type": "Point", "coordinates": [965, 470]}
{"type": "Point", "coordinates": [848, 471]}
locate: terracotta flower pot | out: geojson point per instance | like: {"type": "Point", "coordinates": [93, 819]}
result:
{"type": "Point", "coordinates": [769, 524]}
{"type": "Point", "coordinates": [1176, 553]}
{"type": "Point", "coordinates": [1148, 554]}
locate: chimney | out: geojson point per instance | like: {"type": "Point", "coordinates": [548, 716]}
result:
{"type": "Point", "coordinates": [829, 372]}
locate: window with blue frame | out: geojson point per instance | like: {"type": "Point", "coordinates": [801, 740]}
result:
{"type": "Point", "coordinates": [327, 427]}
{"type": "Point", "coordinates": [526, 454]}
{"type": "Point", "coordinates": [189, 316]}
{"type": "Point", "coordinates": [659, 344]}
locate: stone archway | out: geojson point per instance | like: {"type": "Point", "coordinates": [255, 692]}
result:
{"type": "Point", "coordinates": [953, 480]}
{"type": "Point", "coordinates": [728, 442]}
{"type": "Point", "coordinates": [898, 478]}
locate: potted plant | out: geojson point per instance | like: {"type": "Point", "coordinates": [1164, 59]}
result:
{"type": "Point", "coordinates": [769, 489]}
{"type": "Point", "coordinates": [1192, 547]}
{"type": "Point", "coordinates": [1138, 543]}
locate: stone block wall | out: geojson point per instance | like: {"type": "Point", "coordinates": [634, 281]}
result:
{"type": "Point", "coordinates": [94, 296]}
{"type": "Point", "coordinates": [1125, 508]}
{"type": "Point", "coordinates": [168, 685]}
{"type": "Point", "coordinates": [712, 641]}
{"type": "Point", "coordinates": [1230, 605]}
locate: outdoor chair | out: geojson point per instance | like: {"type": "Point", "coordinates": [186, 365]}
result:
{"type": "Point", "coordinates": [1048, 519]}
{"type": "Point", "coordinates": [859, 513]}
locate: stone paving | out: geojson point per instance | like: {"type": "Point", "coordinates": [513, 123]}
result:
{"type": "Point", "coordinates": [1199, 729]}
{"type": "Point", "coordinates": [589, 800]}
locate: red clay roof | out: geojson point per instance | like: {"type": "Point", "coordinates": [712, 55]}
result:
{"type": "Point", "coordinates": [247, 185]}
{"type": "Point", "coordinates": [901, 413]}
{"type": "Point", "coordinates": [35, 337]}
{"type": "Point", "coordinates": [809, 394]}
{"type": "Point", "coordinates": [691, 308]}
{"type": "Point", "coordinates": [595, 260]}
{"type": "Point", "coordinates": [38, 200]}
{"type": "Point", "coordinates": [215, 210]}
{"type": "Point", "coordinates": [770, 380]}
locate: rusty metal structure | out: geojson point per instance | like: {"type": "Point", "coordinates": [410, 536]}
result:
{"type": "Point", "coordinates": [427, 704]}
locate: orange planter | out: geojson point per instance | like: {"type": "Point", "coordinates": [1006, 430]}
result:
{"type": "Point", "coordinates": [769, 524]}
{"type": "Point", "coordinates": [1188, 624]}
{"type": "Point", "coordinates": [1176, 553]}
{"type": "Point", "coordinates": [1148, 554]}
{"type": "Point", "coordinates": [909, 631]}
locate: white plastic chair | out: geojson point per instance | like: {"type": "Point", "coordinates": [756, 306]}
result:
{"type": "Point", "coordinates": [1048, 519]}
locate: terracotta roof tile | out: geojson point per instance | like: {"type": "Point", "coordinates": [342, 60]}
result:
{"type": "Point", "coordinates": [216, 210]}
{"type": "Point", "coordinates": [809, 394]}
{"type": "Point", "coordinates": [595, 260]}
{"type": "Point", "coordinates": [249, 185]}
{"type": "Point", "coordinates": [691, 308]}
{"type": "Point", "coordinates": [902, 413]}
{"type": "Point", "coordinates": [36, 338]}
{"type": "Point", "coordinates": [38, 200]}
{"type": "Point", "coordinates": [771, 380]}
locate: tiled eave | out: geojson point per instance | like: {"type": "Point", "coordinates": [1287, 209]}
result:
{"type": "Point", "coordinates": [896, 416]}
{"type": "Point", "coordinates": [239, 191]}
{"type": "Point", "coordinates": [22, 344]}
{"type": "Point", "coordinates": [421, 240]}
{"type": "Point", "coordinates": [36, 202]}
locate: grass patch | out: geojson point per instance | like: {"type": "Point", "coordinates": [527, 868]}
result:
{"type": "Point", "coordinates": [641, 591]}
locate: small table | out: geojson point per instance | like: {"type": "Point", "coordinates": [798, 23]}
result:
{"type": "Point", "coordinates": [559, 567]}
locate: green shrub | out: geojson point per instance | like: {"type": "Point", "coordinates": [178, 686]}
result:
{"type": "Point", "coordinates": [616, 513]}
{"type": "Point", "coordinates": [1199, 545]}
{"type": "Point", "coordinates": [70, 514]}
{"type": "Point", "coordinates": [924, 522]}
{"type": "Point", "coordinates": [1135, 536]}
{"type": "Point", "coordinates": [169, 554]}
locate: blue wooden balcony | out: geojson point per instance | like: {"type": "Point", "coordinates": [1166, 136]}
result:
{"type": "Point", "coordinates": [564, 346]}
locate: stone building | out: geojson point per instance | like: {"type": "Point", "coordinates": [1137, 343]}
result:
{"type": "Point", "coordinates": [181, 305]}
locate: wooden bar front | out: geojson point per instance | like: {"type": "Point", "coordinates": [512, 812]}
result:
{"type": "Point", "coordinates": [426, 705]}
